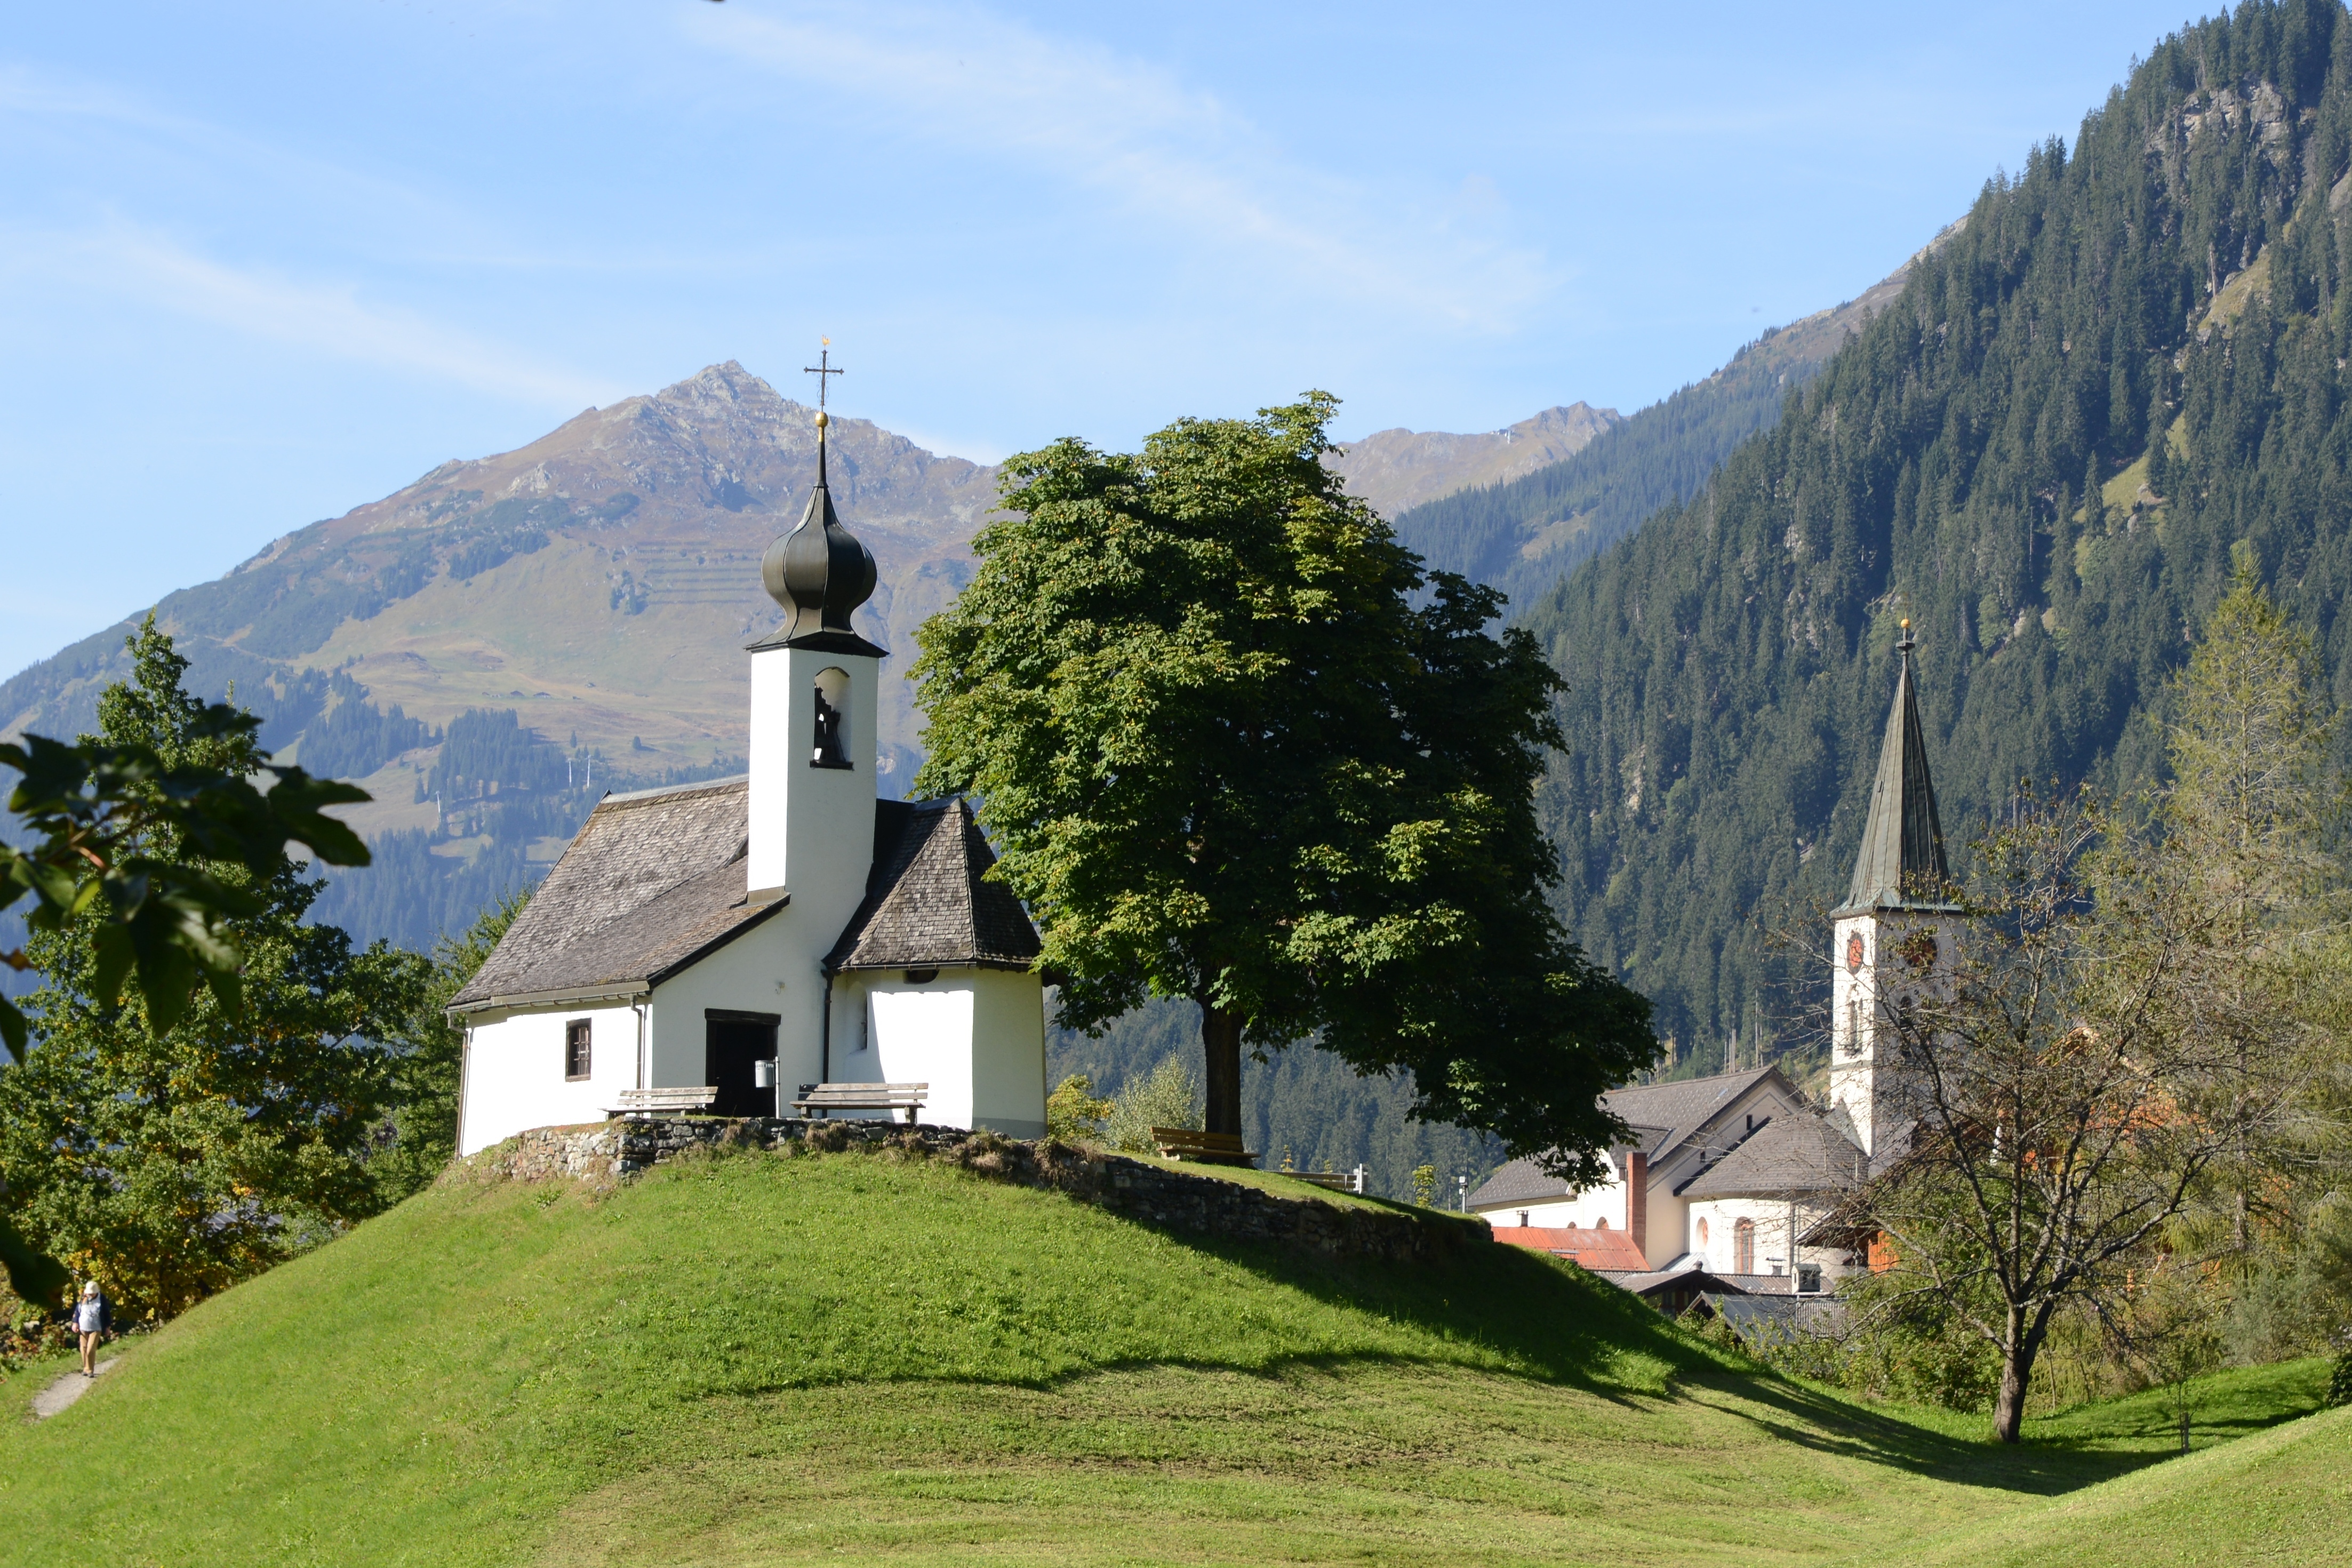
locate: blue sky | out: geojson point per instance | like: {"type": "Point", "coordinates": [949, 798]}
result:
{"type": "Point", "coordinates": [260, 263]}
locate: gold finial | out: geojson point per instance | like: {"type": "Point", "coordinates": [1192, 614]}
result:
{"type": "Point", "coordinates": [823, 419]}
{"type": "Point", "coordinates": [1907, 623]}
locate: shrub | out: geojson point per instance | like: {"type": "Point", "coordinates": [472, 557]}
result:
{"type": "Point", "coordinates": [1072, 1114]}
{"type": "Point", "coordinates": [1170, 1097]}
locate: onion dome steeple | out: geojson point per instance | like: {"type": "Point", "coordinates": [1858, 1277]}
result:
{"type": "Point", "coordinates": [1902, 864]}
{"type": "Point", "coordinates": [820, 571]}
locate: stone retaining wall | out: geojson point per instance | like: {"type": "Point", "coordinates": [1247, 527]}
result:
{"type": "Point", "coordinates": [1199, 1202]}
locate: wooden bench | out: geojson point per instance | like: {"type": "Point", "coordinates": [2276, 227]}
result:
{"type": "Point", "coordinates": [1338, 1181]}
{"type": "Point", "coordinates": [825, 1098]}
{"type": "Point", "coordinates": [1203, 1147]}
{"type": "Point", "coordinates": [644, 1101]}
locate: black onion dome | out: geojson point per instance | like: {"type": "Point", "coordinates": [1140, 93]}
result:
{"type": "Point", "coordinates": [820, 573]}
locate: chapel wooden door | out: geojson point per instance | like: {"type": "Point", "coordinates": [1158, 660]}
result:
{"type": "Point", "coordinates": [735, 1043]}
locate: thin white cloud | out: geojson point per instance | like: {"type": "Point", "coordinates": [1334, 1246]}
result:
{"type": "Point", "coordinates": [1169, 154]}
{"type": "Point", "coordinates": [323, 318]}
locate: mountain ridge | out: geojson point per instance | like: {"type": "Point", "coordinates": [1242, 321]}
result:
{"type": "Point", "coordinates": [2121, 379]}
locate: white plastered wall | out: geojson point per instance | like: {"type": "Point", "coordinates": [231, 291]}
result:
{"type": "Point", "coordinates": [976, 1035]}
{"type": "Point", "coordinates": [812, 829]}
{"type": "Point", "coordinates": [1770, 1217]}
{"type": "Point", "coordinates": [514, 1071]}
{"type": "Point", "coordinates": [1008, 1059]}
{"type": "Point", "coordinates": [768, 969]}
{"type": "Point", "coordinates": [1583, 1210]}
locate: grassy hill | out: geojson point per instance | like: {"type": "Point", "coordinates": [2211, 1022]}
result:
{"type": "Point", "coordinates": [762, 1359]}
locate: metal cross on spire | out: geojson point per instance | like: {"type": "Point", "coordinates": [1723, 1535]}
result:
{"type": "Point", "coordinates": [823, 368]}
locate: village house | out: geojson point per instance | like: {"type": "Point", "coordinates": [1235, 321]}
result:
{"type": "Point", "coordinates": [719, 945]}
{"type": "Point", "coordinates": [1732, 1175]}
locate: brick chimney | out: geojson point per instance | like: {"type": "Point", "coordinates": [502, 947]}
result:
{"type": "Point", "coordinates": [1637, 1200]}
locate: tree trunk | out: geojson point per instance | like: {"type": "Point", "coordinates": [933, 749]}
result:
{"type": "Point", "coordinates": [1221, 1045]}
{"type": "Point", "coordinates": [2023, 1342]}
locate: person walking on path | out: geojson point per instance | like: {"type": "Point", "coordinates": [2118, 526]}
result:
{"type": "Point", "coordinates": [91, 1317]}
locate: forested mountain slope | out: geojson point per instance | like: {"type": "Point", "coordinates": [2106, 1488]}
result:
{"type": "Point", "coordinates": [1522, 534]}
{"type": "Point", "coordinates": [1980, 460]}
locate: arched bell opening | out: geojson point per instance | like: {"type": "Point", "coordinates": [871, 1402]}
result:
{"type": "Point", "coordinates": [831, 749]}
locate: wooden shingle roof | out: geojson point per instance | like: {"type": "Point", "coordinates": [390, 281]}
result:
{"type": "Point", "coordinates": [652, 881]}
{"type": "Point", "coordinates": [927, 904]}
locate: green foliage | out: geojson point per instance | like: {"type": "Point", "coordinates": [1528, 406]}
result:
{"type": "Point", "coordinates": [1226, 759]}
{"type": "Point", "coordinates": [128, 829]}
{"type": "Point", "coordinates": [1916, 1348]}
{"type": "Point", "coordinates": [1170, 1097]}
{"type": "Point", "coordinates": [413, 1145]}
{"type": "Point", "coordinates": [2339, 1381]}
{"type": "Point", "coordinates": [1303, 1097]}
{"type": "Point", "coordinates": [1424, 1185]}
{"type": "Point", "coordinates": [169, 1145]}
{"type": "Point", "coordinates": [2295, 1299]}
{"type": "Point", "coordinates": [1729, 664]}
{"type": "Point", "coordinates": [1072, 1114]}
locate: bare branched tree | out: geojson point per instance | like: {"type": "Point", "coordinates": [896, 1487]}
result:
{"type": "Point", "coordinates": [2064, 1093]}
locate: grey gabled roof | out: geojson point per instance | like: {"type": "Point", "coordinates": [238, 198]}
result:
{"type": "Point", "coordinates": [652, 881]}
{"type": "Point", "coordinates": [1794, 1153]}
{"type": "Point", "coordinates": [1663, 1117]}
{"type": "Point", "coordinates": [927, 904]}
{"type": "Point", "coordinates": [1683, 1107]}
{"type": "Point", "coordinates": [1520, 1181]}
{"type": "Point", "coordinates": [1901, 865]}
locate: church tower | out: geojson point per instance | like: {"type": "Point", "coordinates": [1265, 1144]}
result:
{"type": "Point", "coordinates": [814, 684]}
{"type": "Point", "coordinates": [1898, 923]}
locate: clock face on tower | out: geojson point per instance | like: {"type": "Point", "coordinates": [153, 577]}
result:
{"type": "Point", "coordinates": [1854, 953]}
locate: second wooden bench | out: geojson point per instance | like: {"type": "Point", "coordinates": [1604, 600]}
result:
{"type": "Point", "coordinates": [823, 1099]}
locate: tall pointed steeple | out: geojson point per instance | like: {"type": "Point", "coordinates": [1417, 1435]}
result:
{"type": "Point", "coordinates": [1902, 864]}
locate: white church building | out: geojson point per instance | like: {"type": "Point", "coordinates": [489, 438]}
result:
{"type": "Point", "coordinates": [1736, 1174]}
{"type": "Point", "coordinates": [783, 928]}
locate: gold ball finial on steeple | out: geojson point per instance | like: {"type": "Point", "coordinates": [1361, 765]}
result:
{"type": "Point", "coordinates": [1907, 623]}
{"type": "Point", "coordinates": [823, 419]}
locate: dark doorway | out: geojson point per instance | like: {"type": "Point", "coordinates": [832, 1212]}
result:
{"type": "Point", "coordinates": [735, 1041]}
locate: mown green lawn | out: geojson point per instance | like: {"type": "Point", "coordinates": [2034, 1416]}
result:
{"type": "Point", "coordinates": [760, 1359]}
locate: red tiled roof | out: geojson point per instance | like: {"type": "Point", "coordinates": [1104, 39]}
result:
{"type": "Point", "coordinates": [1591, 1249]}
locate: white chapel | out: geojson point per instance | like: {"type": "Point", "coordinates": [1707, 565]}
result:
{"type": "Point", "coordinates": [1736, 1175]}
{"type": "Point", "coordinates": [783, 928]}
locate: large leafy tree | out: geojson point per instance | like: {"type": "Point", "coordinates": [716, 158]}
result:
{"type": "Point", "coordinates": [420, 1137]}
{"type": "Point", "coordinates": [1236, 746]}
{"type": "Point", "coordinates": [118, 840]}
{"type": "Point", "coordinates": [173, 1140]}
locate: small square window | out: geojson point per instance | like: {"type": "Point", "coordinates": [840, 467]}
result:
{"type": "Point", "coordinates": [576, 1050]}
